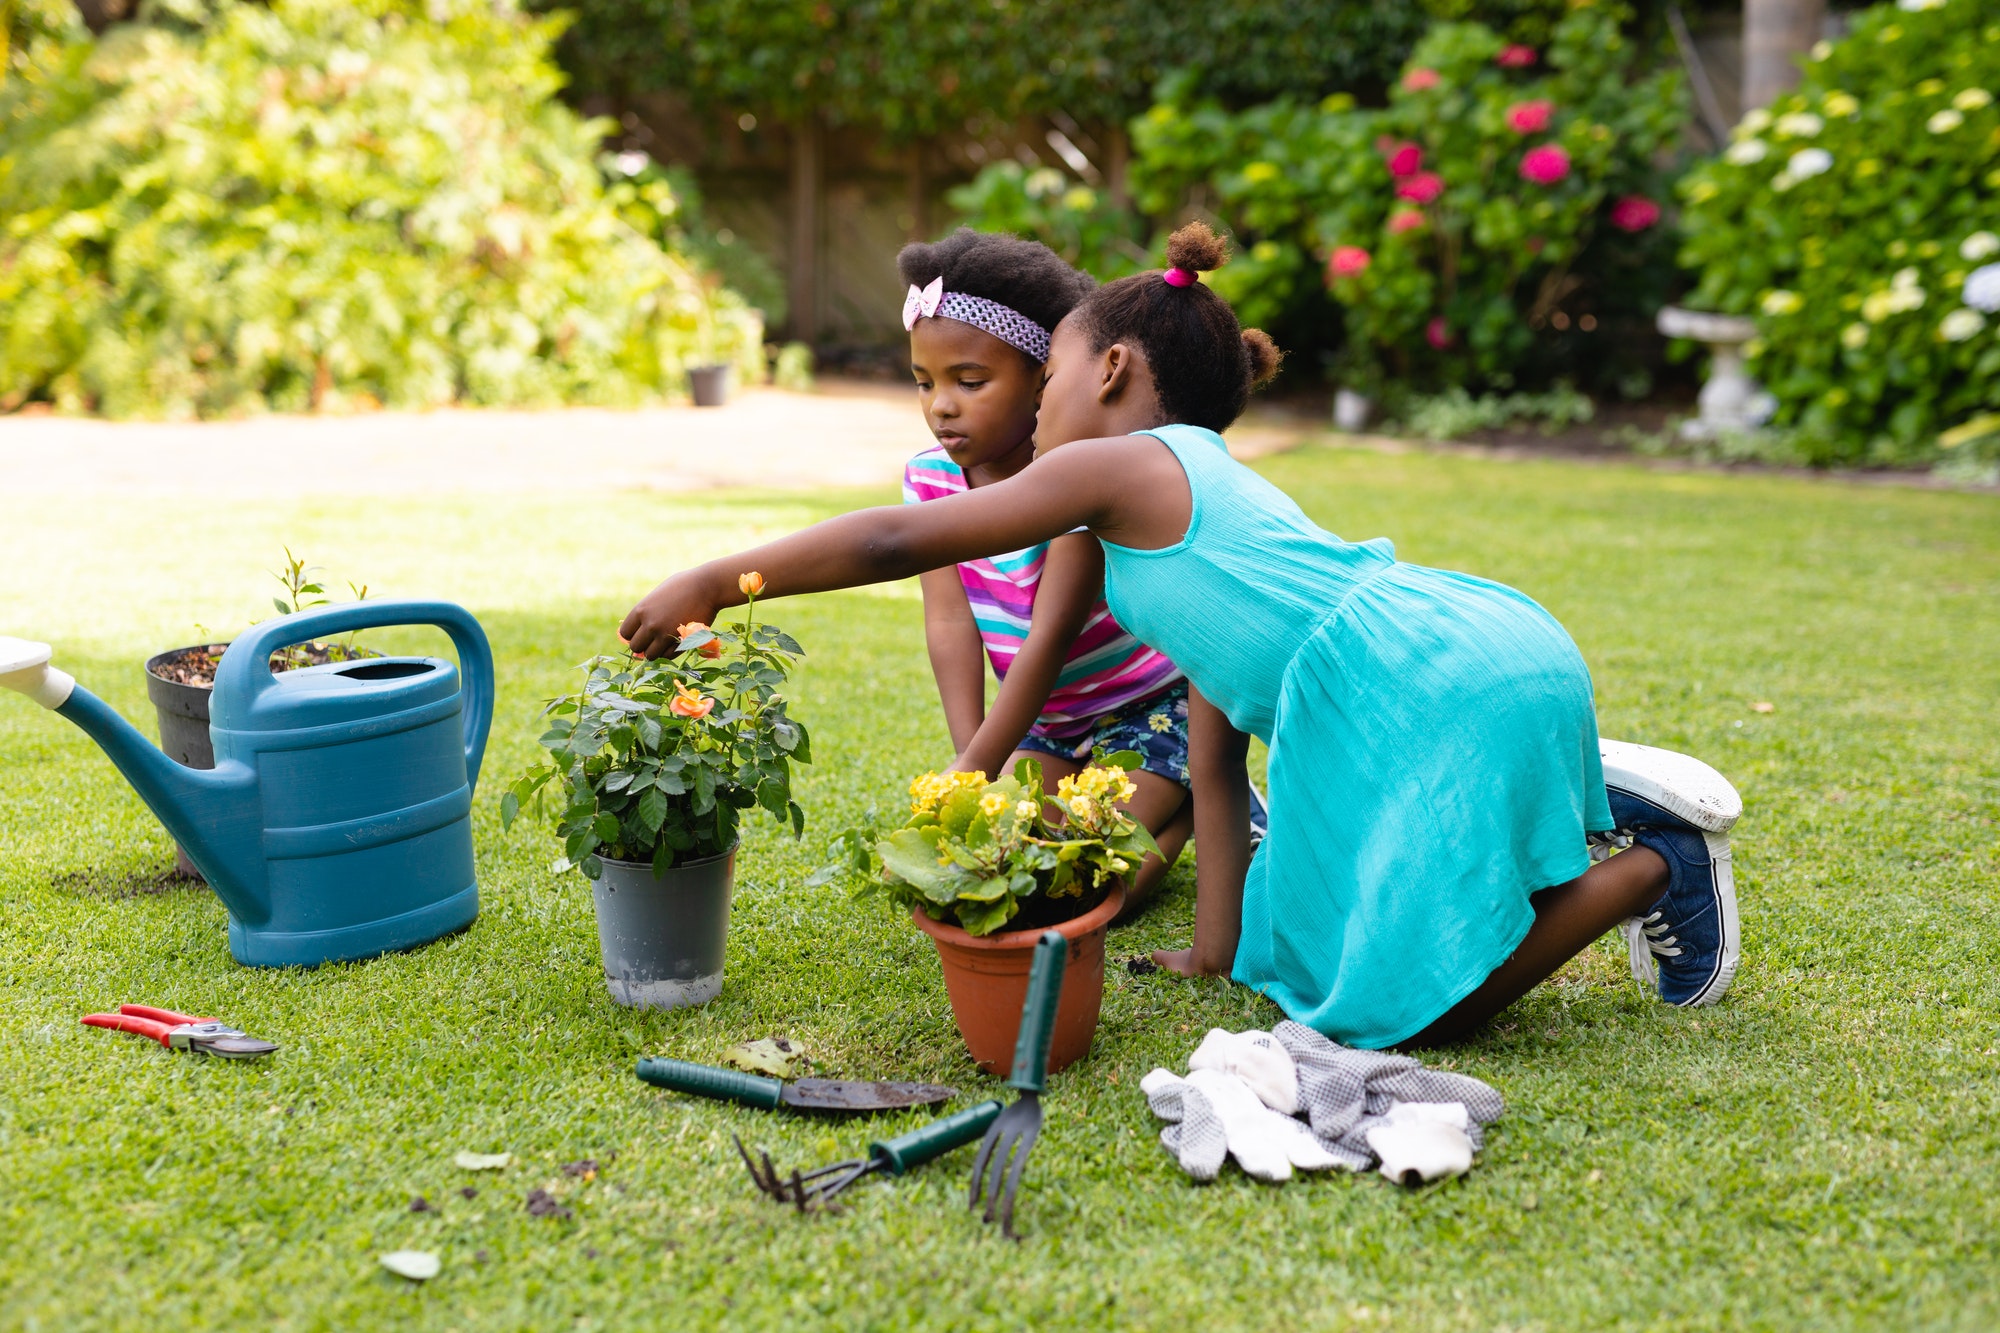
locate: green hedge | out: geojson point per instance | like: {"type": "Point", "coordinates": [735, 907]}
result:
{"type": "Point", "coordinates": [1847, 218]}
{"type": "Point", "coordinates": [326, 203]}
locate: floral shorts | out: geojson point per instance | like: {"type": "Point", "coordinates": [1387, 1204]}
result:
{"type": "Point", "coordinates": [1156, 727]}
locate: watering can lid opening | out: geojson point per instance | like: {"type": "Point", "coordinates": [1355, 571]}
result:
{"type": "Point", "coordinates": [331, 693]}
{"type": "Point", "coordinates": [20, 654]}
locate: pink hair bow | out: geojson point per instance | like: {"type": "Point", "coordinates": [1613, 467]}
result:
{"type": "Point", "coordinates": [920, 303]}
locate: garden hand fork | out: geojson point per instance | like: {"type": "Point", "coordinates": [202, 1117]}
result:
{"type": "Point", "coordinates": [1013, 1134]}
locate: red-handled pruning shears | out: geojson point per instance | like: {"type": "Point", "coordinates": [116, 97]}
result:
{"type": "Point", "coordinates": [178, 1032]}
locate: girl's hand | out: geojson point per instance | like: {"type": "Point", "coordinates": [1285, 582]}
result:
{"type": "Point", "coordinates": [652, 628]}
{"type": "Point", "coordinates": [1182, 962]}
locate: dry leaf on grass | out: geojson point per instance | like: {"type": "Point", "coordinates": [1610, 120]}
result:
{"type": "Point", "coordinates": [778, 1057]}
{"type": "Point", "coordinates": [483, 1161]}
{"type": "Point", "coordinates": [416, 1265]}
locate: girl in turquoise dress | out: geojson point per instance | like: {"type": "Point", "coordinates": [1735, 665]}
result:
{"type": "Point", "coordinates": [1435, 770]}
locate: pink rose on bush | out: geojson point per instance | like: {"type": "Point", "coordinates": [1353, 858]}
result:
{"type": "Point", "coordinates": [1347, 261]}
{"type": "Point", "coordinates": [1515, 56]}
{"type": "Point", "coordinates": [1544, 165]}
{"type": "Point", "coordinates": [1635, 212]}
{"type": "Point", "coordinates": [1420, 188]}
{"type": "Point", "coordinates": [1420, 78]}
{"type": "Point", "coordinates": [1405, 219]}
{"type": "Point", "coordinates": [1438, 333]}
{"type": "Point", "coordinates": [1530, 117]}
{"type": "Point", "coordinates": [1405, 159]}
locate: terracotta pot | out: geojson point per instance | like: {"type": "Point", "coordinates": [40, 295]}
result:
{"type": "Point", "coordinates": [987, 979]}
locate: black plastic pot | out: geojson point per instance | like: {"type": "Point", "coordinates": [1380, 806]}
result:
{"type": "Point", "coordinates": [662, 936]}
{"type": "Point", "coordinates": [709, 385]}
{"type": "Point", "coordinates": [183, 714]}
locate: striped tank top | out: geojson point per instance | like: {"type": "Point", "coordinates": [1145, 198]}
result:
{"type": "Point", "coordinates": [1107, 668]}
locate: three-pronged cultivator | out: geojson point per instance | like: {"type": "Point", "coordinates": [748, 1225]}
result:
{"type": "Point", "coordinates": [809, 1190]}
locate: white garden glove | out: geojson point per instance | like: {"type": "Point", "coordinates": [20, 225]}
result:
{"type": "Point", "coordinates": [1419, 1142]}
{"type": "Point", "coordinates": [1210, 1104]}
{"type": "Point", "coordinates": [1257, 1059]}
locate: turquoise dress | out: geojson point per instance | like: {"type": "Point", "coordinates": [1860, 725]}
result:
{"type": "Point", "coordinates": [1433, 747]}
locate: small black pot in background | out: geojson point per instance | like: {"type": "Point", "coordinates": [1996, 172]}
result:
{"type": "Point", "coordinates": [183, 714]}
{"type": "Point", "coordinates": [709, 385]}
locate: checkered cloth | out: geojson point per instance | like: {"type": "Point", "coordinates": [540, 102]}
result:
{"type": "Point", "coordinates": [1345, 1092]}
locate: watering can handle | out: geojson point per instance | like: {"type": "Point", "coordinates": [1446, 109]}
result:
{"type": "Point", "coordinates": [246, 666]}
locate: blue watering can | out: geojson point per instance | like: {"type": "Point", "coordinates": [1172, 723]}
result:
{"type": "Point", "coordinates": [336, 823]}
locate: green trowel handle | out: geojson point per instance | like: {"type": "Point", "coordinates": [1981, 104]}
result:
{"type": "Point", "coordinates": [1038, 1013]}
{"type": "Point", "coordinates": [707, 1081]}
{"type": "Point", "coordinates": [936, 1139]}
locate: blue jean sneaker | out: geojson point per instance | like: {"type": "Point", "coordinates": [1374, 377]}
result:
{"type": "Point", "coordinates": [1688, 942]}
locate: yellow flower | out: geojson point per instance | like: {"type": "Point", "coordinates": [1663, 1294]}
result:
{"type": "Point", "coordinates": [1854, 337]}
{"type": "Point", "coordinates": [1972, 99]}
{"type": "Point", "coordinates": [1160, 722]}
{"type": "Point", "coordinates": [1258, 173]}
{"type": "Point", "coordinates": [931, 790]}
{"type": "Point", "coordinates": [1840, 104]}
{"type": "Point", "coordinates": [991, 804]}
{"type": "Point", "coordinates": [1024, 810]}
{"type": "Point", "coordinates": [1080, 199]}
{"type": "Point", "coordinates": [1080, 807]}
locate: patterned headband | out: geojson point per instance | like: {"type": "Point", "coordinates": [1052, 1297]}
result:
{"type": "Point", "coordinates": [1008, 325]}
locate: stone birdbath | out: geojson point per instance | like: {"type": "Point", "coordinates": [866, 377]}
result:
{"type": "Point", "coordinates": [1731, 402]}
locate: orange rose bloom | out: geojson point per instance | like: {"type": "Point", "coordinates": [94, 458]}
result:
{"type": "Point", "coordinates": [713, 648]}
{"type": "Point", "coordinates": [751, 583]}
{"type": "Point", "coordinates": [690, 704]}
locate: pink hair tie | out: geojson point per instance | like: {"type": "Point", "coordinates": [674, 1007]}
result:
{"type": "Point", "coordinates": [1179, 277]}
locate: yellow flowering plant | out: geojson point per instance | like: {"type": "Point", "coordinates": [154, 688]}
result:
{"type": "Point", "coordinates": [984, 853]}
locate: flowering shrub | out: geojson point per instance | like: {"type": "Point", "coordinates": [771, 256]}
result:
{"type": "Point", "coordinates": [982, 852]}
{"type": "Point", "coordinates": [326, 204]}
{"type": "Point", "coordinates": [1491, 222]}
{"type": "Point", "coordinates": [654, 760]}
{"type": "Point", "coordinates": [1851, 220]}
{"type": "Point", "coordinates": [1496, 198]}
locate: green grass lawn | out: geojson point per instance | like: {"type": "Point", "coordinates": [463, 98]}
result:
{"type": "Point", "coordinates": [1820, 1151]}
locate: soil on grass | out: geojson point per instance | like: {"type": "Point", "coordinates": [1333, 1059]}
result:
{"type": "Point", "coordinates": [197, 666]}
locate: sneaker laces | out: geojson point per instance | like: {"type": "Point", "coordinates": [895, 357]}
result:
{"type": "Point", "coordinates": [1654, 927]}
{"type": "Point", "coordinates": [1646, 937]}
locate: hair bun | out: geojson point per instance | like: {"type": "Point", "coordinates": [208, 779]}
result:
{"type": "Point", "coordinates": [1264, 357]}
{"type": "Point", "coordinates": [1197, 249]}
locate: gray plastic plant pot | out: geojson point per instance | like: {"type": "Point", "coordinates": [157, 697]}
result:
{"type": "Point", "coordinates": [662, 936]}
{"type": "Point", "coordinates": [709, 385]}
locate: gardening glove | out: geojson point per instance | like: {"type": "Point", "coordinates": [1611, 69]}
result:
{"type": "Point", "coordinates": [1419, 1142]}
{"type": "Point", "coordinates": [1194, 1133]}
{"type": "Point", "coordinates": [1265, 1144]}
{"type": "Point", "coordinates": [1257, 1059]}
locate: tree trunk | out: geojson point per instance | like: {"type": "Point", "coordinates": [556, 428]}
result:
{"type": "Point", "coordinates": [1775, 34]}
{"type": "Point", "coordinates": [808, 170]}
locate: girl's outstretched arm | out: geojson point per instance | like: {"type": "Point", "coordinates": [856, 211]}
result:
{"type": "Point", "coordinates": [1216, 755]}
{"type": "Point", "coordinates": [1079, 485]}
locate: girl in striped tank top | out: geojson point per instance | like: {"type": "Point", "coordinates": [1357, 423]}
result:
{"type": "Point", "coordinates": [979, 312]}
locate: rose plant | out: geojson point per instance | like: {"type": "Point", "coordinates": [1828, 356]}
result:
{"type": "Point", "coordinates": [1851, 220]}
{"type": "Point", "coordinates": [655, 760]}
{"type": "Point", "coordinates": [981, 852]}
{"type": "Point", "coordinates": [1495, 222]}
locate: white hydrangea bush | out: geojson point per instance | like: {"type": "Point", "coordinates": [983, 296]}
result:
{"type": "Point", "coordinates": [1856, 220]}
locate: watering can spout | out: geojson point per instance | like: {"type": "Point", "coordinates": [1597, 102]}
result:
{"type": "Point", "coordinates": [213, 813]}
